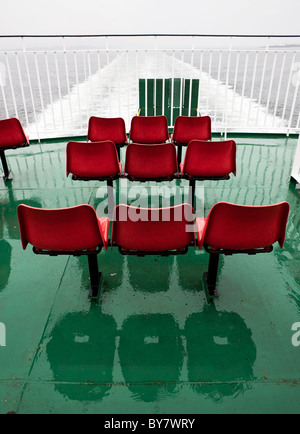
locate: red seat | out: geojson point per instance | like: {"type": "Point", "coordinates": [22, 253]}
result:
{"type": "Point", "coordinates": [209, 160]}
{"type": "Point", "coordinates": [71, 231]}
{"type": "Point", "coordinates": [231, 229]}
{"type": "Point", "coordinates": [89, 161]}
{"type": "Point", "coordinates": [102, 129]}
{"type": "Point", "coordinates": [143, 231]}
{"type": "Point", "coordinates": [95, 161]}
{"type": "Point", "coordinates": [187, 128]}
{"type": "Point", "coordinates": [12, 136]}
{"type": "Point", "coordinates": [151, 162]}
{"type": "Point", "coordinates": [149, 129]}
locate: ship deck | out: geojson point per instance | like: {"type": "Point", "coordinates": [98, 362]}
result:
{"type": "Point", "coordinates": [151, 344]}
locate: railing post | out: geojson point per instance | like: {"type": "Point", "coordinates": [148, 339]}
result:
{"type": "Point", "coordinates": [226, 92]}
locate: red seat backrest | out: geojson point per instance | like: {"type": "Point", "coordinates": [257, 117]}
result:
{"type": "Point", "coordinates": [92, 160]}
{"type": "Point", "coordinates": [153, 230]}
{"type": "Point", "coordinates": [151, 161]}
{"type": "Point", "coordinates": [61, 230]}
{"type": "Point", "coordinates": [240, 227]}
{"type": "Point", "coordinates": [210, 158]}
{"type": "Point", "coordinates": [187, 128]}
{"type": "Point", "coordinates": [149, 129]}
{"type": "Point", "coordinates": [12, 133]}
{"type": "Point", "coordinates": [102, 129]}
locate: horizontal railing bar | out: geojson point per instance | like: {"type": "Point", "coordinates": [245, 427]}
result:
{"type": "Point", "coordinates": [136, 50]}
{"type": "Point", "coordinates": [163, 35]}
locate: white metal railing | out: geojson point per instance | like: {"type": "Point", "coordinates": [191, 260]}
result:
{"type": "Point", "coordinates": [54, 84]}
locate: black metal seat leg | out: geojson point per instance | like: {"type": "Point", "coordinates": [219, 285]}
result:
{"type": "Point", "coordinates": [110, 198]}
{"type": "Point", "coordinates": [192, 191]}
{"type": "Point", "coordinates": [95, 276]}
{"type": "Point", "coordinates": [212, 275]}
{"type": "Point", "coordinates": [5, 166]}
{"type": "Point", "coordinates": [179, 156]}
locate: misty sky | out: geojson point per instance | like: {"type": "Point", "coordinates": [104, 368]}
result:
{"type": "Point", "coordinates": [154, 16]}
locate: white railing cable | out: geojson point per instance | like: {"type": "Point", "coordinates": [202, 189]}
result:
{"type": "Point", "coordinates": [262, 82]}
{"type": "Point", "coordinates": [191, 80]}
{"type": "Point", "coordinates": [11, 85]}
{"type": "Point", "coordinates": [31, 90]}
{"type": "Point", "coordinates": [50, 89]}
{"type": "Point", "coordinates": [288, 86]}
{"type": "Point", "coordinates": [235, 84]}
{"type": "Point", "coordinates": [68, 79]}
{"type": "Point", "coordinates": [225, 111]}
{"type": "Point", "coordinates": [22, 89]}
{"type": "Point", "coordinates": [78, 89]}
{"type": "Point", "coordinates": [59, 90]}
{"type": "Point", "coordinates": [40, 89]}
{"type": "Point", "coordinates": [252, 87]}
{"type": "Point", "coordinates": [271, 86]}
{"type": "Point", "coordinates": [293, 105]}
{"type": "Point", "coordinates": [279, 87]}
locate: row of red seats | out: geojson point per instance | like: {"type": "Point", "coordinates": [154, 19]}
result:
{"type": "Point", "coordinates": [211, 159]}
{"type": "Point", "coordinates": [149, 155]}
{"type": "Point", "coordinates": [203, 160]}
{"type": "Point", "coordinates": [228, 229]}
{"type": "Point", "coordinates": [150, 129]}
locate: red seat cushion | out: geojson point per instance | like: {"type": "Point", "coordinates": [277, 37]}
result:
{"type": "Point", "coordinates": [102, 129]}
{"type": "Point", "coordinates": [151, 161]}
{"type": "Point", "coordinates": [240, 227]}
{"type": "Point", "coordinates": [153, 230]}
{"type": "Point", "coordinates": [62, 230]}
{"type": "Point", "coordinates": [210, 159]}
{"type": "Point", "coordinates": [149, 129]}
{"type": "Point", "coordinates": [93, 160]}
{"type": "Point", "coordinates": [187, 128]}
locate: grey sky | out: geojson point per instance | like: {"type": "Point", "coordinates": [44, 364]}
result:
{"type": "Point", "coordinates": [154, 16]}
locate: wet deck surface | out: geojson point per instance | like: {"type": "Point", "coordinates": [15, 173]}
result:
{"type": "Point", "coordinates": [152, 344]}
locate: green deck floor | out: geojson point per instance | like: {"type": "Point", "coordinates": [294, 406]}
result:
{"type": "Point", "coordinates": [152, 344]}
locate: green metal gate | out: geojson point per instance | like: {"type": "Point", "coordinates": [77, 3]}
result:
{"type": "Point", "coordinates": [169, 97]}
